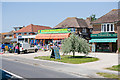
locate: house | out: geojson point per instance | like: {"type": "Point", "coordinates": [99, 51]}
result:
{"type": "Point", "coordinates": [18, 28]}
{"type": "Point", "coordinates": [105, 30]}
{"type": "Point", "coordinates": [118, 29]}
{"type": "Point", "coordinates": [29, 32]}
{"type": "Point", "coordinates": [82, 27]}
{"type": "Point", "coordinates": [7, 37]}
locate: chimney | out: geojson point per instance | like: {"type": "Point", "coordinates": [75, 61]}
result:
{"type": "Point", "coordinates": [88, 19]}
{"type": "Point", "coordinates": [31, 24]}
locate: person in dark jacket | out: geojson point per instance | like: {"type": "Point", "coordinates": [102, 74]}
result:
{"type": "Point", "coordinates": [3, 48]}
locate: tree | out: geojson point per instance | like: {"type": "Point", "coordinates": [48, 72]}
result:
{"type": "Point", "coordinates": [93, 17]}
{"type": "Point", "coordinates": [74, 44]}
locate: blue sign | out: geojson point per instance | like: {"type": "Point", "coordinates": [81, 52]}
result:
{"type": "Point", "coordinates": [93, 47]}
{"type": "Point", "coordinates": [56, 52]}
{"type": "Point", "coordinates": [19, 36]}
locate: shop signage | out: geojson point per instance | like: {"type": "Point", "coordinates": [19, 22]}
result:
{"type": "Point", "coordinates": [47, 31]}
{"type": "Point", "coordinates": [103, 35]}
{"type": "Point", "coordinates": [19, 36]}
{"type": "Point", "coordinates": [56, 52]}
{"type": "Point", "coordinates": [93, 47]}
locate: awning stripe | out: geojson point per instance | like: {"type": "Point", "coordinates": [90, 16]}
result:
{"type": "Point", "coordinates": [103, 40]}
{"type": "Point", "coordinates": [52, 36]}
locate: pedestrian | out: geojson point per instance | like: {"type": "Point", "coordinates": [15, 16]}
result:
{"type": "Point", "coordinates": [16, 49]}
{"type": "Point", "coordinates": [3, 48]}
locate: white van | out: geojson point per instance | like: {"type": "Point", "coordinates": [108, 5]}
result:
{"type": "Point", "coordinates": [25, 47]}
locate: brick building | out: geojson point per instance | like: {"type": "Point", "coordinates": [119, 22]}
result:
{"type": "Point", "coordinates": [29, 32]}
{"type": "Point", "coordinates": [119, 37]}
{"type": "Point", "coordinates": [82, 27]}
{"type": "Point", "coordinates": [105, 31]}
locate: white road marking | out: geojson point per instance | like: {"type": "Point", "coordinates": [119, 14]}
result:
{"type": "Point", "coordinates": [14, 75]}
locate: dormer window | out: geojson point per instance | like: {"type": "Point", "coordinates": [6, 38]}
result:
{"type": "Point", "coordinates": [109, 27]}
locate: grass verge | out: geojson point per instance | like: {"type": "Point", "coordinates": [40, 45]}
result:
{"type": "Point", "coordinates": [115, 68]}
{"type": "Point", "coordinates": [108, 75]}
{"type": "Point", "coordinates": [69, 59]}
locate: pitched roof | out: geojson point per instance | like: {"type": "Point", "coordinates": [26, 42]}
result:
{"type": "Point", "coordinates": [72, 22]}
{"type": "Point", "coordinates": [9, 33]}
{"type": "Point", "coordinates": [32, 28]}
{"type": "Point", "coordinates": [110, 17]}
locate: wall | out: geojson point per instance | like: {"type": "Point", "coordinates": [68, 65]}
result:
{"type": "Point", "coordinates": [24, 33]}
{"type": "Point", "coordinates": [97, 28]}
{"type": "Point", "coordinates": [118, 28]}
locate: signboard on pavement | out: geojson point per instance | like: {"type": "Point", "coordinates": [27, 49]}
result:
{"type": "Point", "coordinates": [56, 52]}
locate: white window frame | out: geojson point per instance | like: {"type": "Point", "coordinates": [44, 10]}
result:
{"type": "Point", "coordinates": [102, 27]}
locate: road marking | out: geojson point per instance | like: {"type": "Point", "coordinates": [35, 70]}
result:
{"type": "Point", "coordinates": [16, 76]}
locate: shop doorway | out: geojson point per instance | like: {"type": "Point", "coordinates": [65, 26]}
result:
{"type": "Point", "coordinates": [114, 47]}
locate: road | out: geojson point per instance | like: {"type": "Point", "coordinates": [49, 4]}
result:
{"type": "Point", "coordinates": [32, 71]}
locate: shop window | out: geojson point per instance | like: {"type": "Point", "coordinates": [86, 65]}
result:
{"type": "Point", "coordinates": [19, 34]}
{"type": "Point", "coordinates": [10, 36]}
{"type": "Point", "coordinates": [25, 33]}
{"type": "Point", "coordinates": [84, 30]}
{"type": "Point", "coordinates": [109, 27]}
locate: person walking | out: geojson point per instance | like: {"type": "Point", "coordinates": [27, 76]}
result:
{"type": "Point", "coordinates": [16, 49]}
{"type": "Point", "coordinates": [3, 48]}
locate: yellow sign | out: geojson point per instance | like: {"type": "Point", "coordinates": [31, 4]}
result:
{"type": "Point", "coordinates": [54, 31]}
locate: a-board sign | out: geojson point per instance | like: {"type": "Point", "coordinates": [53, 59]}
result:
{"type": "Point", "coordinates": [56, 52]}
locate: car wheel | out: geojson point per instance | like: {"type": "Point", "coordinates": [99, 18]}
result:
{"type": "Point", "coordinates": [25, 51]}
{"type": "Point", "coordinates": [36, 50]}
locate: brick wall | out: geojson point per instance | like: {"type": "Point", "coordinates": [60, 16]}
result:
{"type": "Point", "coordinates": [97, 28]}
{"type": "Point", "coordinates": [118, 37]}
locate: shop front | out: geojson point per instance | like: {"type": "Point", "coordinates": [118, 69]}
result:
{"type": "Point", "coordinates": [28, 39]}
{"type": "Point", "coordinates": [104, 42]}
{"type": "Point", "coordinates": [50, 36]}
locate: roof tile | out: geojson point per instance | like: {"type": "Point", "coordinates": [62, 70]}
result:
{"type": "Point", "coordinates": [110, 17]}
{"type": "Point", "coordinates": [32, 28]}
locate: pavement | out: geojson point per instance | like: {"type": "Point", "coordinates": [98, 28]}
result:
{"type": "Point", "coordinates": [85, 69]}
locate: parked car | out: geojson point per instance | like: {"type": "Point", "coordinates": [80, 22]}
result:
{"type": "Point", "coordinates": [25, 47]}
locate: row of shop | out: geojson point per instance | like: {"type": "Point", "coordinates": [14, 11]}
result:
{"type": "Point", "coordinates": [102, 34]}
{"type": "Point", "coordinates": [45, 37]}
{"type": "Point", "coordinates": [102, 42]}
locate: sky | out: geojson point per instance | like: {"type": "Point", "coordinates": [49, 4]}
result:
{"type": "Point", "coordinates": [16, 14]}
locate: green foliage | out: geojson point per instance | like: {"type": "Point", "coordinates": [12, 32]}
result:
{"type": "Point", "coordinates": [119, 49]}
{"type": "Point", "coordinates": [108, 75]}
{"type": "Point", "coordinates": [74, 44]}
{"type": "Point", "coordinates": [93, 17]}
{"type": "Point", "coordinates": [115, 68]}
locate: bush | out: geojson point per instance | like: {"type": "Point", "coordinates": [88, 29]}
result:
{"type": "Point", "coordinates": [74, 44]}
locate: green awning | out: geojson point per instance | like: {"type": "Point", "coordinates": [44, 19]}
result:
{"type": "Point", "coordinates": [103, 40]}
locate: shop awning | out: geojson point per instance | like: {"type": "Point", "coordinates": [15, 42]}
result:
{"type": "Point", "coordinates": [103, 40]}
{"type": "Point", "coordinates": [14, 40]}
{"type": "Point", "coordinates": [52, 36]}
